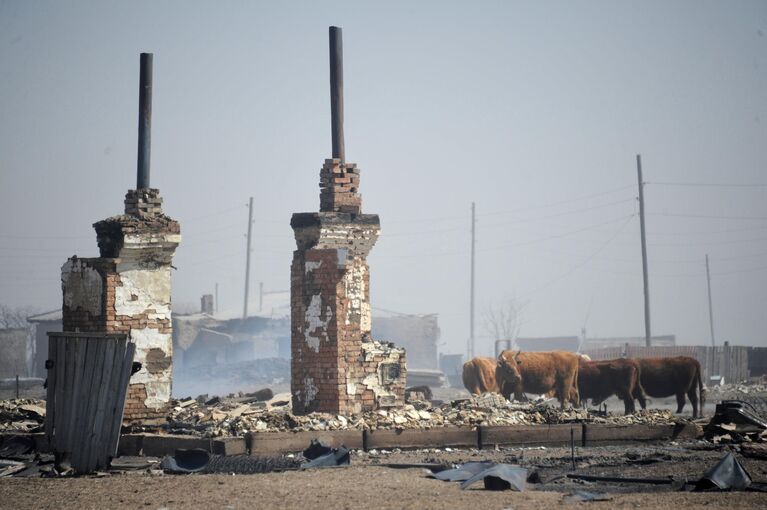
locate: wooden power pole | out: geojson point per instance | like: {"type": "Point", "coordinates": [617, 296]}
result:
{"type": "Point", "coordinates": [647, 333]}
{"type": "Point", "coordinates": [471, 297]}
{"type": "Point", "coordinates": [247, 259]}
{"type": "Point", "coordinates": [710, 307]}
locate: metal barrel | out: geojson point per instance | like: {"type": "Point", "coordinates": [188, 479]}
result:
{"type": "Point", "coordinates": [337, 92]}
{"type": "Point", "coordinates": [144, 122]}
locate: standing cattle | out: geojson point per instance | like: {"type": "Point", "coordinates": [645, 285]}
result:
{"type": "Point", "coordinates": [598, 380]}
{"type": "Point", "coordinates": [479, 376]}
{"type": "Point", "coordinates": [663, 377]}
{"type": "Point", "coordinates": [540, 372]}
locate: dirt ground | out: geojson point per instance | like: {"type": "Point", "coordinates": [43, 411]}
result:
{"type": "Point", "coordinates": [367, 483]}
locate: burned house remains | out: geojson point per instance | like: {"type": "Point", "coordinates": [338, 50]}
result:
{"type": "Point", "coordinates": [336, 366]}
{"type": "Point", "coordinates": [128, 288]}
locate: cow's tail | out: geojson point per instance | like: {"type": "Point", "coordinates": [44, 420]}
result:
{"type": "Point", "coordinates": [572, 392]}
{"type": "Point", "coordinates": [701, 389]}
{"type": "Point", "coordinates": [638, 392]}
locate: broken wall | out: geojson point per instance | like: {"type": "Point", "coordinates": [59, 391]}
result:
{"type": "Point", "coordinates": [128, 290]}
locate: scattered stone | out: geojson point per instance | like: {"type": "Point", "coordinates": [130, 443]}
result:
{"type": "Point", "coordinates": [187, 403]}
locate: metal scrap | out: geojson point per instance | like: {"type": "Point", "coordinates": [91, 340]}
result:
{"type": "Point", "coordinates": [500, 477]}
{"type": "Point", "coordinates": [727, 474]}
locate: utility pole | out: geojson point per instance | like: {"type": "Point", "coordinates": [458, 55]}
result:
{"type": "Point", "coordinates": [710, 307]}
{"type": "Point", "coordinates": [247, 259]}
{"type": "Point", "coordinates": [216, 297]}
{"type": "Point", "coordinates": [471, 300]}
{"type": "Point", "coordinates": [260, 296]}
{"type": "Point", "coordinates": [644, 254]}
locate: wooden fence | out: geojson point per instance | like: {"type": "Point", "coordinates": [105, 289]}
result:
{"type": "Point", "coordinates": [725, 360]}
{"type": "Point", "coordinates": [88, 377]}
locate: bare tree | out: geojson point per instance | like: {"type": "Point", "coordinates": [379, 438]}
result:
{"type": "Point", "coordinates": [14, 317]}
{"type": "Point", "coordinates": [502, 321]}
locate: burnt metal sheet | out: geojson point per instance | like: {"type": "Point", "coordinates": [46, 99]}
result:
{"type": "Point", "coordinates": [462, 472]}
{"type": "Point", "coordinates": [500, 477]}
{"type": "Point", "coordinates": [727, 474]}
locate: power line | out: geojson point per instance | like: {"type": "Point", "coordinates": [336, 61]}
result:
{"type": "Point", "coordinates": [710, 184]}
{"type": "Point", "coordinates": [713, 243]}
{"type": "Point", "coordinates": [14, 236]}
{"type": "Point", "coordinates": [213, 213]}
{"type": "Point", "coordinates": [512, 211]}
{"type": "Point", "coordinates": [557, 236]}
{"type": "Point", "coordinates": [707, 232]}
{"type": "Point", "coordinates": [510, 222]}
{"type": "Point", "coordinates": [424, 232]}
{"type": "Point", "coordinates": [553, 204]}
{"type": "Point", "coordinates": [583, 262]}
{"type": "Point", "coordinates": [563, 213]}
{"type": "Point", "coordinates": [709, 216]}
{"type": "Point", "coordinates": [512, 245]}
{"type": "Point", "coordinates": [739, 271]}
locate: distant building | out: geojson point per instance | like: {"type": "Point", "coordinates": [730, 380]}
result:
{"type": "Point", "coordinates": [204, 339]}
{"type": "Point", "coordinates": [211, 339]}
{"type": "Point", "coordinates": [553, 343]}
{"type": "Point", "coordinates": [201, 339]}
{"type": "Point", "coordinates": [576, 344]}
{"type": "Point", "coordinates": [37, 340]}
{"type": "Point", "coordinates": [13, 353]}
{"type": "Point", "coordinates": [418, 334]}
{"type": "Point", "coordinates": [599, 343]}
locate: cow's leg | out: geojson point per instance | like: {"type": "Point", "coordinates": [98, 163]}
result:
{"type": "Point", "coordinates": [679, 402]}
{"type": "Point", "coordinates": [693, 396]}
{"type": "Point", "coordinates": [576, 397]}
{"type": "Point", "coordinates": [561, 393]}
{"type": "Point", "coordinates": [639, 395]}
{"type": "Point", "coordinates": [628, 402]}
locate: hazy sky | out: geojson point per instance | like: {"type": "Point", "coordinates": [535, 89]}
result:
{"type": "Point", "coordinates": [534, 110]}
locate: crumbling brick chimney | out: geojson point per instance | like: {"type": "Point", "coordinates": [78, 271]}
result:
{"type": "Point", "coordinates": [128, 288]}
{"type": "Point", "coordinates": [336, 366]}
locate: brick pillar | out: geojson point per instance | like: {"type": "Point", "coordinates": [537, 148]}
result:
{"type": "Point", "coordinates": [336, 367]}
{"type": "Point", "coordinates": [128, 290]}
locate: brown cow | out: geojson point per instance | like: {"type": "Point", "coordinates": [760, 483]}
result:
{"type": "Point", "coordinates": [540, 372]}
{"type": "Point", "coordinates": [598, 380]}
{"type": "Point", "coordinates": [663, 377]}
{"type": "Point", "coordinates": [479, 376]}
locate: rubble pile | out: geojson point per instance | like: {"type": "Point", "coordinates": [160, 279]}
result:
{"type": "Point", "coordinates": [228, 417]}
{"type": "Point", "coordinates": [646, 416]}
{"type": "Point", "coordinates": [22, 415]}
{"type": "Point", "coordinates": [238, 414]}
{"type": "Point", "coordinates": [736, 421]}
{"type": "Point", "coordinates": [737, 390]}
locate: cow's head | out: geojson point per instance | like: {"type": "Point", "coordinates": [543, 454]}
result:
{"type": "Point", "coordinates": [508, 368]}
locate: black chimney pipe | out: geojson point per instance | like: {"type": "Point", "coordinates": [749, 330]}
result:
{"type": "Point", "coordinates": [144, 121]}
{"type": "Point", "coordinates": [337, 93]}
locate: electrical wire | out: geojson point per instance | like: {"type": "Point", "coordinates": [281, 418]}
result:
{"type": "Point", "coordinates": [561, 202]}
{"type": "Point", "coordinates": [583, 262]}
{"type": "Point", "coordinates": [710, 184]}
{"type": "Point", "coordinates": [708, 216]}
